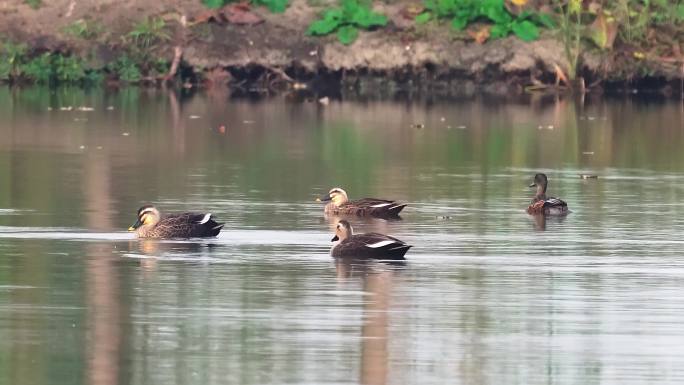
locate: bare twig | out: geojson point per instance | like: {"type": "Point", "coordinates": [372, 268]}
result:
{"type": "Point", "coordinates": [177, 55]}
{"type": "Point", "coordinates": [280, 73]}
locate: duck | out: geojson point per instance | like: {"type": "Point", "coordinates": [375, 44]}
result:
{"type": "Point", "coordinates": [151, 224]}
{"type": "Point", "coordinates": [541, 204]}
{"type": "Point", "coordinates": [366, 246]}
{"type": "Point", "coordinates": [341, 205]}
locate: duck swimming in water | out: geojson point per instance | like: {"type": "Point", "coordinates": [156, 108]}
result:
{"type": "Point", "coordinates": [151, 224]}
{"type": "Point", "coordinates": [341, 205]}
{"type": "Point", "coordinates": [541, 204]}
{"type": "Point", "coordinates": [368, 245]}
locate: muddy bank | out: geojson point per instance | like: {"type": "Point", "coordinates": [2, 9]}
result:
{"type": "Point", "coordinates": [276, 53]}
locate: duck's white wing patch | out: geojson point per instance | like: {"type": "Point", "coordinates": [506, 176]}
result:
{"type": "Point", "coordinates": [381, 205]}
{"type": "Point", "coordinates": [379, 244]}
{"type": "Point", "coordinates": [205, 219]}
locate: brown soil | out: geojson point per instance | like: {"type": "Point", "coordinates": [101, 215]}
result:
{"type": "Point", "coordinates": [403, 53]}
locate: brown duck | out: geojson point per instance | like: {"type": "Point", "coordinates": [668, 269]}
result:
{"type": "Point", "coordinates": [341, 205]}
{"type": "Point", "coordinates": [151, 224]}
{"type": "Point", "coordinates": [541, 204]}
{"type": "Point", "coordinates": [366, 246]}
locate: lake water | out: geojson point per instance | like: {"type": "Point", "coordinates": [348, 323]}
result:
{"type": "Point", "coordinates": [489, 295]}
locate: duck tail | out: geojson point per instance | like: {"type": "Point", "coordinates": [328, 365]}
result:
{"type": "Point", "coordinates": [216, 228]}
{"type": "Point", "coordinates": [399, 251]}
{"type": "Point", "coordinates": [396, 209]}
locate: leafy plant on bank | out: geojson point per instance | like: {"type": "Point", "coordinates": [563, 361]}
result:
{"type": "Point", "coordinates": [346, 20]}
{"type": "Point", "coordinates": [148, 32]}
{"type": "Point", "coordinates": [125, 69]}
{"type": "Point", "coordinates": [12, 57]}
{"type": "Point", "coordinates": [463, 12]}
{"type": "Point", "coordinates": [16, 64]}
{"type": "Point", "coordinates": [571, 31]}
{"type": "Point", "coordinates": [275, 6]}
{"type": "Point", "coordinates": [83, 29]}
{"type": "Point", "coordinates": [636, 18]}
{"type": "Point", "coordinates": [35, 4]}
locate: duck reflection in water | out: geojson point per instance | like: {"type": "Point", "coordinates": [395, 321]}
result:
{"type": "Point", "coordinates": [540, 220]}
{"type": "Point", "coordinates": [378, 280]}
{"type": "Point", "coordinates": [153, 250]}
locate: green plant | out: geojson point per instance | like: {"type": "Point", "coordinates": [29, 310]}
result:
{"type": "Point", "coordinates": [38, 69]}
{"type": "Point", "coordinates": [68, 69]}
{"type": "Point", "coordinates": [148, 32]}
{"type": "Point", "coordinates": [125, 69]}
{"type": "Point", "coordinates": [35, 4]}
{"type": "Point", "coordinates": [636, 18]}
{"type": "Point", "coordinates": [571, 31]}
{"type": "Point", "coordinates": [346, 20]}
{"type": "Point", "coordinates": [275, 6]}
{"type": "Point", "coordinates": [84, 29]}
{"type": "Point", "coordinates": [53, 67]}
{"type": "Point", "coordinates": [11, 57]}
{"type": "Point", "coordinates": [463, 12]}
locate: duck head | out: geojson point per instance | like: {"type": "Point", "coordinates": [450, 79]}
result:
{"type": "Point", "coordinates": [540, 182]}
{"type": "Point", "coordinates": [148, 215]}
{"type": "Point", "coordinates": [336, 195]}
{"type": "Point", "coordinates": [343, 230]}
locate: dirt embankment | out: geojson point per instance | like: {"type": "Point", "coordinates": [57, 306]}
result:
{"type": "Point", "coordinates": [400, 55]}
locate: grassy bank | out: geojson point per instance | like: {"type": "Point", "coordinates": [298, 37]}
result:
{"type": "Point", "coordinates": [611, 41]}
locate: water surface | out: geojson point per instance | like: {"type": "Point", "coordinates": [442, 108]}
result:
{"type": "Point", "coordinates": [489, 295]}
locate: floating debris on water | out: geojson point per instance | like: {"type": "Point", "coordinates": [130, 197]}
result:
{"type": "Point", "coordinates": [550, 127]}
{"type": "Point", "coordinates": [248, 122]}
{"type": "Point", "coordinates": [443, 217]}
{"type": "Point", "coordinates": [461, 127]}
{"type": "Point", "coordinates": [82, 147]}
{"type": "Point", "coordinates": [69, 108]}
{"type": "Point", "coordinates": [418, 125]}
{"type": "Point", "coordinates": [49, 108]}
{"type": "Point", "coordinates": [442, 119]}
{"type": "Point", "coordinates": [84, 108]}
{"type": "Point", "coordinates": [125, 134]}
{"type": "Point", "coordinates": [324, 100]}
{"type": "Point", "coordinates": [110, 108]}
{"type": "Point", "coordinates": [194, 116]}
{"type": "Point", "coordinates": [588, 153]}
{"type": "Point", "coordinates": [588, 176]}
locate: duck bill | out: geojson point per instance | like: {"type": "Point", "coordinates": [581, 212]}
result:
{"type": "Point", "coordinates": [324, 198]}
{"type": "Point", "coordinates": [532, 185]}
{"type": "Point", "coordinates": [135, 225]}
{"type": "Point", "coordinates": [335, 238]}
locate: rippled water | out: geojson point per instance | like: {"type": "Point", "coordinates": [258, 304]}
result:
{"type": "Point", "coordinates": [489, 295]}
